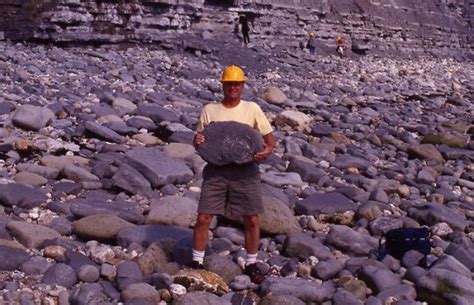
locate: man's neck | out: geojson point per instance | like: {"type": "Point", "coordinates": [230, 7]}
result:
{"type": "Point", "coordinates": [230, 103]}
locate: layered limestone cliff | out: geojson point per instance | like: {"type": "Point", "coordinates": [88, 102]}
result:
{"type": "Point", "coordinates": [441, 27]}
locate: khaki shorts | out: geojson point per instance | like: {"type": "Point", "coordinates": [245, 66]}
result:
{"type": "Point", "coordinates": [224, 195]}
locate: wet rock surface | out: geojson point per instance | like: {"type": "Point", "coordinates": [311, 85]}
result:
{"type": "Point", "coordinates": [99, 189]}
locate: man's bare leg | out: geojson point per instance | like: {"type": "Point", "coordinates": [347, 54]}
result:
{"type": "Point", "coordinates": [252, 233]}
{"type": "Point", "coordinates": [200, 236]}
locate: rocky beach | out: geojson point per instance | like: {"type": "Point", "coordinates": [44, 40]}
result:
{"type": "Point", "coordinates": [99, 180]}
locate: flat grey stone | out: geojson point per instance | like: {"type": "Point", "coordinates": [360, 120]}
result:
{"type": "Point", "coordinates": [305, 290]}
{"type": "Point", "coordinates": [350, 241]}
{"type": "Point", "coordinates": [87, 294]}
{"type": "Point", "coordinates": [432, 213]}
{"type": "Point", "coordinates": [88, 273]}
{"type": "Point", "coordinates": [230, 142]}
{"type": "Point", "coordinates": [32, 117]}
{"type": "Point", "coordinates": [400, 292]}
{"type": "Point", "coordinates": [60, 274]}
{"type": "Point", "coordinates": [346, 161]}
{"type": "Point", "coordinates": [21, 195]}
{"type": "Point", "coordinates": [31, 235]}
{"type": "Point", "coordinates": [281, 180]}
{"type": "Point", "coordinates": [425, 152]}
{"type": "Point", "coordinates": [31, 179]}
{"type": "Point", "coordinates": [35, 265]}
{"type": "Point", "coordinates": [78, 173]}
{"type": "Point", "coordinates": [44, 171]}
{"type": "Point", "coordinates": [158, 167]}
{"type": "Point", "coordinates": [379, 279]}
{"type": "Point", "coordinates": [280, 300]}
{"type": "Point", "coordinates": [200, 298]}
{"type": "Point", "coordinates": [100, 226]}
{"type": "Point", "coordinates": [327, 269]}
{"type": "Point", "coordinates": [128, 272]}
{"type": "Point", "coordinates": [141, 291]}
{"type": "Point", "coordinates": [157, 113]}
{"type": "Point", "coordinates": [128, 211]}
{"type": "Point", "coordinates": [382, 225]}
{"type": "Point", "coordinates": [222, 266]}
{"type": "Point", "coordinates": [15, 256]}
{"type": "Point", "coordinates": [103, 132]}
{"type": "Point", "coordinates": [131, 180]}
{"type": "Point", "coordinates": [306, 168]}
{"type": "Point", "coordinates": [145, 235]}
{"type": "Point", "coordinates": [344, 297]}
{"type": "Point", "coordinates": [326, 203]}
{"type": "Point", "coordinates": [77, 260]}
{"type": "Point", "coordinates": [302, 246]}
{"type": "Point", "coordinates": [173, 210]}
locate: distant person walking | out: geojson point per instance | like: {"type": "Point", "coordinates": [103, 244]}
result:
{"type": "Point", "coordinates": [243, 20]}
{"type": "Point", "coordinates": [311, 45]}
{"type": "Point", "coordinates": [340, 46]}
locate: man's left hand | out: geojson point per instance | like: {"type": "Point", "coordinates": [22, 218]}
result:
{"type": "Point", "coordinates": [264, 154]}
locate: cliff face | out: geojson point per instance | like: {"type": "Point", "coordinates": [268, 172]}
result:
{"type": "Point", "coordinates": [442, 27]}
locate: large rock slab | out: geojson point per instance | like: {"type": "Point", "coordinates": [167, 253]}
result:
{"type": "Point", "coordinates": [61, 275]}
{"type": "Point", "coordinates": [293, 120]}
{"type": "Point", "coordinates": [433, 213]}
{"type": "Point", "coordinates": [147, 234]}
{"type": "Point", "coordinates": [140, 291]}
{"type": "Point", "coordinates": [157, 113]}
{"type": "Point", "coordinates": [327, 203]}
{"type": "Point", "coordinates": [31, 235]}
{"type": "Point", "coordinates": [274, 211]}
{"type": "Point", "coordinates": [32, 117]}
{"type": "Point", "coordinates": [172, 210]}
{"type": "Point", "coordinates": [14, 194]}
{"type": "Point", "coordinates": [128, 211]}
{"type": "Point", "coordinates": [15, 256]}
{"type": "Point", "coordinates": [274, 95]}
{"type": "Point", "coordinates": [302, 246]}
{"type": "Point", "coordinates": [200, 298]}
{"type": "Point", "coordinates": [100, 226]}
{"type": "Point", "coordinates": [440, 286]}
{"type": "Point", "coordinates": [131, 180]}
{"type": "Point", "coordinates": [350, 241]}
{"type": "Point", "coordinates": [44, 171]}
{"type": "Point", "coordinates": [304, 290]}
{"type": "Point", "coordinates": [306, 168]}
{"type": "Point", "coordinates": [79, 174]}
{"type": "Point", "coordinates": [103, 132]}
{"type": "Point", "coordinates": [230, 142]}
{"type": "Point", "coordinates": [425, 152]}
{"type": "Point", "coordinates": [279, 179]}
{"type": "Point", "coordinates": [158, 167]}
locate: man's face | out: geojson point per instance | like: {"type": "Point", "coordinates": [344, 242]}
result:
{"type": "Point", "coordinates": [233, 90]}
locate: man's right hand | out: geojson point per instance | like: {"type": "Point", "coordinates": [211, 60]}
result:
{"type": "Point", "coordinates": [199, 139]}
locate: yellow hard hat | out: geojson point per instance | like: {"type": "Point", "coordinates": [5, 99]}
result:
{"type": "Point", "coordinates": [233, 74]}
{"type": "Point", "coordinates": [311, 34]}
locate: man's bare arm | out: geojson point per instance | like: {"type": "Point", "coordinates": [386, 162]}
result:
{"type": "Point", "coordinates": [268, 145]}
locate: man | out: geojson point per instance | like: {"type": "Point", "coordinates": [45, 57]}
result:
{"type": "Point", "coordinates": [312, 43]}
{"type": "Point", "coordinates": [243, 20]}
{"type": "Point", "coordinates": [340, 45]}
{"type": "Point", "coordinates": [233, 187]}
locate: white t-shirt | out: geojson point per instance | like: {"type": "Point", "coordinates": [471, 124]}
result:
{"type": "Point", "coordinates": [245, 112]}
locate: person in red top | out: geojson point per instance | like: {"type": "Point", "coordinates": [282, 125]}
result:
{"type": "Point", "coordinates": [340, 45]}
